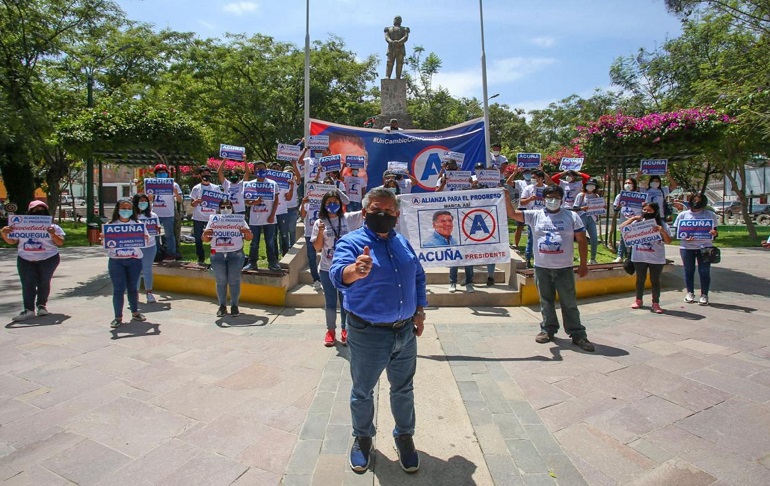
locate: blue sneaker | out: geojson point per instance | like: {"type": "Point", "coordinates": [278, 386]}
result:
{"type": "Point", "coordinates": [361, 454]}
{"type": "Point", "coordinates": [407, 455]}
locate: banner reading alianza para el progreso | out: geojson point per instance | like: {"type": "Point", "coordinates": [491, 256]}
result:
{"type": "Point", "coordinates": [458, 228]}
{"type": "Point", "coordinates": [422, 150]}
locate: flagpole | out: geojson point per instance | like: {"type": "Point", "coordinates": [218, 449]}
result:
{"type": "Point", "coordinates": [484, 86]}
{"type": "Point", "coordinates": [307, 73]}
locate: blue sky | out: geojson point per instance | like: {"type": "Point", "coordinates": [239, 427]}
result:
{"type": "Point", "coordinates": [538, 51]}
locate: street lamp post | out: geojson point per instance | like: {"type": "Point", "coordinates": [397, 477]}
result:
{"type": "Point", "coordinates": [90, 217]}
{"type": "Point", "coordinates": [307, 73]}
{"type": "Point", "coordinates": [487, 148]}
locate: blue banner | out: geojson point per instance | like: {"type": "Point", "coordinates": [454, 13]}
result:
{"type": "Point", "coordinates": [422, 149]}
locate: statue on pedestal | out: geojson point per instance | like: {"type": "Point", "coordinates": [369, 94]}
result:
{"type": "Point", "coordinates": [396, 37]}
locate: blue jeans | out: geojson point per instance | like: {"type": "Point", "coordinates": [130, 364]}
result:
{"type": "Point", "coordinates": [227, 272]}
{"type": "Point", "coordinates": [311, 260]}
{"type": "Point", "coordinates": [689, 257]}
{"type": "Point", "coordinates": [354, 206]}
{"type": "Point", "coordinates": [549, 281]}
{"type": "Point", "coordinates": [198, 227]}
{"type": "Point", "coordinates": [490, 270]}
{"type": "Point", "coordinates": [270, 245]}
{"type": "Point", "coordinates": [468, 274]}
{"type": "Point", "coordinates": [35, 280]}
{"type": "Point", "coordinates": [148, 257]}
{"type": "Point", "coordinates": [124, 273]}
{"type": "Point", "coordinates": [283, 232]}
{"type": "Point", "coordinates": [170, 234]}
{"type": "Point", "coordinates": [528, 251]}
{"type": "Point", "coordinates": [331, 297]}
{"type": "Point", "coordinates": [590, 225]}
{"type": "Point", "coordinates": [292, 215]}
{"type": "Point", "coordinates": [373, 350]}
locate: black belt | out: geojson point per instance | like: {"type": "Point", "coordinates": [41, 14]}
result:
{"type": "Point", "coordinates": [384, 325]}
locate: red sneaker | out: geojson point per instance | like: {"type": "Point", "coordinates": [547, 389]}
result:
{"type": "Point", "coordinates": [329, 339]}
{"type": "Point", "coordinates": [637, 304]}
{"type": "Point", "coordinates": [344, 337]}
{"type": "Point", "coordinates": [656, 308]}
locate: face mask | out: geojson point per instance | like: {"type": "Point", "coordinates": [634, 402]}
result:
{"type": "Point", "coordinates": [226, 211]}
{"type": "Point", "coordinates": [380, 222]}
{"type": "Point", "coordinates": [570, 179]}
{"type": "Point", "coordinates": [318, 155]}
{"type": "Point", "coordinates": [332, 208]}
{"type": "Point", "coordinates": [649, 215]}
{"type": "Point", "coordinates": [655, 185]}
{"type": "Point", "coordinates": [527, 177]}
{"type": "Point", "coordinates": [552, 204]}
{"type": "Point", "coordinates": [392, 189]}
{"type": "Point", "coordinates": [205, 178]}
{"type": "Point", "coordinates": [354, 173]}
{"type": "Point", "coordinates": [261, 173]}
{"type": "Point", "coordinates": [234, 178]}
{"type": "Point", "coordinates": [143, 205]}
{"type": "Point", "coordinates": [495, 153]}
{"type": "Point", "coordinates": [698, 204]}
{"type": "Point", "coordinates": [161, 175]}
{"type": "Point", "coordinates": [628, 187]}
{"type": "Point", "coordinates": [590, 188]}
{"type": "Point", "coordinates": [126, 213]}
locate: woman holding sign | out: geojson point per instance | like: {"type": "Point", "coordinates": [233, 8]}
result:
{"type": "Point", "coordinates": [583, 202]}
{"type": "Point", "coordinates": [125, 265]}
{"type": "Point", "coordinates": [38, 256]}
{"type": "Point", "coordinates": [227, 232]}
{"type": "Point", "coordinates": [649, 256]}
{"type": "Point", "coordinates": [152, 223]}
{"type": "Point", "coordinates": [696, 229]}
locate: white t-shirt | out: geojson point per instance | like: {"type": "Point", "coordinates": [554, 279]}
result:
{"type": "Point", "coordinates": [294, 201]}
{"type": "Point", "coordinates": [571, 190]}
{"type": "Point", "coordinates": [517, 188]}
{"type": "Point", "coordinates": [38, 249]}
{"type": "Point", "coordinates": [312, 167]}
{"type": "Point", "coordinates": [235, 193]}
{"type": "Point", "coordinates": [690, 215]}
{"type": "Point", "coordinates": [164, 205]}
{"type": "Point", "coordinates": [553, 236]}
{"type": "Point", "coordinates": [283, 204]}
{"type": "Point", "coordinates": [497, 160]}
{"type": "Point", "coordinates": [335, 229]}
{"type": "Point", "coordinates": [657, 196]}
{"type": "Point", "coordinates": [654, 252]}
{"type": "Point", "coordinates": [531, 190]}
{"type": "Point", "coordinates": [626, 212]}
{"type": "Point", "coordinates": [142, 218]}
{"type": "Point", "coordinates": [405, 184]}
{"type": "Point", "coordinates": [581, 200]}
{"type": "Point", "coordinates": [230, 239]}
{"type": "Point", "coordinates": [201, 213]}
{"type": "Point", "coordinates": [260, 211]}
{"type": "Point", "coordinates": [310, 218]}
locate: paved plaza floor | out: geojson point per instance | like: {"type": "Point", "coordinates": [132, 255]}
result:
{"type": "Point", "coordinates": [185, 398]}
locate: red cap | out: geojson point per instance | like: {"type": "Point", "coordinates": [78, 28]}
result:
{"type": "Point", "coordinates": [160, 167]}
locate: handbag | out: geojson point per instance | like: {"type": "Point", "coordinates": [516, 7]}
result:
{"type": "Point", "coordinates": [712, 254]}
{"type": "Point", "coordinates": [628, 266]}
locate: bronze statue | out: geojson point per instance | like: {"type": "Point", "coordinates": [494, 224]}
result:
{"type": "Point", "coordinates": [396, 37]}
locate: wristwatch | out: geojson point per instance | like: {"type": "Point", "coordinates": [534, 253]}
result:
{"type": "Point", "coordinates": [420, 313]}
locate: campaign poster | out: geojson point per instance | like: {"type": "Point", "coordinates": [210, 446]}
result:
{"type": "Point", "coordinates": [315, 193]}
{"type": "Point", "coordinates": [232, 152]}
{"type": "Point", "coordinates": [279, 177]}
{"type": "Point", "coordinates": [254, 190]}
{"type": "Point", "coordinates": [457, 180]}
{"type": "Point", "coordinates": [597, 206]}
{"type": "Point", "coordinates": [456, 156]}
{"type": "Point", "coordinates": [117, 236]}
{"type": "Point", "coordinates": [488, 178]}
{"type": "Point", "coordinates": [571, 163]}
{"type": "Point", "coordinates": [355, 161]}
{"type": "Point", "coordinates": [654, 166]}
{"type": "Point", "coordinates": [153, 226]}
{"type": "Point", "coordinates": [331, 163]}
{"type": "Point", "coordinates": [450, 229]}
{"type": "Point", "coordinates": [630, 199]}
{"type": "Point", "coordinates": [421, 150]}
{"type": "Point", "coordinates": [697, 229]}
{"type": "Point", "coordinates": [227, 232]}
{"type": "Point", "coordinates": [159, 187]}
{"type": "Point", "coordinates": [641, 232]}
{"type": "Point", "coordinates": [318, 142]}
{"type": "Point", "coordinates": [288, 152]}
{"type": "Point", "coordinates": [398, 167]}
{"type": "Point", "coordinates": [210, 198]}
{"type": "Point", "coordinates": [30, 227]}
{"type": "Point", "coordinates": [528, 160]}
{"type": "Point", "coordinates": [354, 185]}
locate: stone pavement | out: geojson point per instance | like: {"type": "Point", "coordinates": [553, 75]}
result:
{"type": "Point", "coordinates": [186, 398]}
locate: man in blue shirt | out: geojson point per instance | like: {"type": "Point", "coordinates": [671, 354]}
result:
{"type": "Point", "coordinates": [383, 285]}
{"type": "Point", "coordinates": [443, 224]}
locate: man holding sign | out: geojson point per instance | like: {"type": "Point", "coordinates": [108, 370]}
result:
{"type": "Point", "coordinates": [696, 229]}
{"type": "Point", "coordinates": [263, 204]}
{"type": "Point", "coordinates": [164, 206]}
{"type": "Point", "coordinates": [204, 205]}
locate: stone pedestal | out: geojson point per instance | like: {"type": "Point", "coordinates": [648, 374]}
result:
{"type": "Point", "coordinates": [393, 95]}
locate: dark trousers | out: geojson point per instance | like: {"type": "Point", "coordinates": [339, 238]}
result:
{"type": "Point", "coordinates": [35, 280]}
{"type": "Point", "coordinates": [689, 258]}
{"type": "Point", "coordinates": [270, 244]}
{"type": "Point", "coordinates": [198, 227]}
{"type": "Point", "coordinates": [124, 273]}
{"type": "Point", "coordinates": [656, 269]}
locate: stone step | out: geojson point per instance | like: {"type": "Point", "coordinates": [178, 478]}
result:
{"type": "Point", "coordinates": [304, 295]}
{"type": "Point", "coordinates": [438, 275]}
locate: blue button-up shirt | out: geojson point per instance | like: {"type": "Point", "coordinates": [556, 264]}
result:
{"type": "Point", "coordinates": [395, 285]}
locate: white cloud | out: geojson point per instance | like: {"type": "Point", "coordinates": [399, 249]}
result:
{"type": "Point", "coordinates": [467, 83]}
{"type": "Point", "coordinates": [543, 41]}
{"type": "Point", "coordinates": [240, 7]}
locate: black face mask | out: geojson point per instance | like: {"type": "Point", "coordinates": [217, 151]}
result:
{"type": "Point", "coordinates": [649, 215]}
{"type": "Point", "coordinates": [380, 222]}
{"type": "Point", "coordinates": [205, 178]}
{"type": "Point", "coordinates": [234, 178]}
{"type": "Point", "coordinates": [698, 204]}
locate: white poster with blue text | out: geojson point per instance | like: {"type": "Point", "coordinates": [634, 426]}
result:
{"type": "Point", "coordinates": [452, 229]}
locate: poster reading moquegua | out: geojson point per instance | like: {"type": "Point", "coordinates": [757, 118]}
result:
{"type": "Point", "coordinates": [450, 229]}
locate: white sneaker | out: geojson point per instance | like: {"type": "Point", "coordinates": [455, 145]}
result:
{"type": "Point", "coordinates": [469, 288]}
{"type": "Point", "coordinates": [689, 298]}
{"type": "Point", "coordinates": [617, 260]}
{"type": "Point", "coordinates": [42, 311]}
{"type": "Point", "coordinates": [317, 285]}
{"type": "Point", "coordinates": [593, 262]}
{"type": "Point", "coordinates": [452, 288]}
{"type": "Point", "coordinates": [150, 298]}
{"type": "Point", "coordinates": [23, 315]}
{"type": "Point", "coordinates": [704, 300]}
